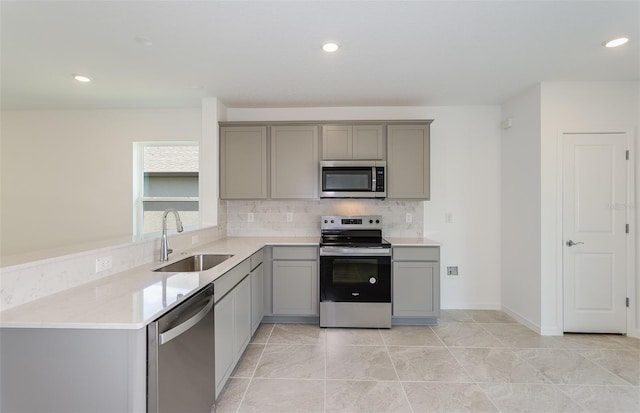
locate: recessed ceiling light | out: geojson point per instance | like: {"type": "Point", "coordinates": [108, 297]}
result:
{"type": "Point", "coordinates": [616, 42]}
{"type": "Point", "coordinates": [82, 78]}
{"type": "Point", "coordinates": [330, 47]}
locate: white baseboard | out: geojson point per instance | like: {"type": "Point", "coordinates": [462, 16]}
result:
{"type": "Point", "coordinates": [543, 331]}
{"type": "Point", "coordinates": [470, 306]}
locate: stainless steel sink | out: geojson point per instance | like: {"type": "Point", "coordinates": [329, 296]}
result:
{"type": "Point", "coordinates": [200, 262]}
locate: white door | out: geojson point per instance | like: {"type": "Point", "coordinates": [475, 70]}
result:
{"type": "Point", "coordinates": [594, 218]}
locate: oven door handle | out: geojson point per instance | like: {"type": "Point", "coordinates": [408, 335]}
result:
{"type": "Point", "coordinates": [354, 251]}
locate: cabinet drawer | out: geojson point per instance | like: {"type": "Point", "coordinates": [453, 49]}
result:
{"type": "Point", "coordinates": [226, 283]}
{"type": "Point", "coordinates": [295, 253]}
{"type": "Point", "coordinates": [257, 258]}
{"type": "Point", "coordinates": [416, 253]}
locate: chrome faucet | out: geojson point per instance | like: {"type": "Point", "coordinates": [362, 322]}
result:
{"type": "Point", "coordinates": [164, 243]}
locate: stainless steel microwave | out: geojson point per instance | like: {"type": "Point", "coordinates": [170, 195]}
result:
{"type": "Point", "coordinates": [353, 179]}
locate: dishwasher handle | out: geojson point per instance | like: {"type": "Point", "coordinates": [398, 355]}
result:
{"type": "Point", "coordinates": [181, 328]}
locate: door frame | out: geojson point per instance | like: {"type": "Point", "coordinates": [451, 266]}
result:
{"type": "Point", "coordinates": [630, 218]}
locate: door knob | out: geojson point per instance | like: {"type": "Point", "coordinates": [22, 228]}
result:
{"type": "Point", "coordinates": [570, 243]}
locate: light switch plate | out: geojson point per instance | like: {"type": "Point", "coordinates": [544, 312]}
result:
{"type": "Point", "coordinates": [289, 216]}
{"type": "Point", "coordinates": [453, 270]}
{"type": "Point", "coordinates": [408, 218]}
{"type": "Point", "coordinates": [250, 217]}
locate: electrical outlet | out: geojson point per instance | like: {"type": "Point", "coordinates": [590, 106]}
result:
{"type": "Point", "coordinates": [250, 217]}
{"type": "Point", "coordinates": [408, 218]}
{"type": "Point", "coordinates": [103, 264]}
{"type": "Point", "coordinates": [448, 218]}
{"type": "Point", "coordinates": [289, 216]}
{"type": "Point", "coordinates": [453, 271]}
{"type": "Point", "coordinates": [195, 239]}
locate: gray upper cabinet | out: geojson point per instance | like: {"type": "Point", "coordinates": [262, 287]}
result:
{"type": "Point", "coordinates": [337, 142]}
{"type": "Point", "coordinates": [243, 162]}
{"type": "Point", "coordinates": [294, 162]}
{"type": "Point", "coordinates": [352, 142]}
{"type": "Point", "coordinates": [408, 161]}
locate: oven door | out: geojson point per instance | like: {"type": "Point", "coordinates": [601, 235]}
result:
{"type": "Point", "coordinates": [360, 278]}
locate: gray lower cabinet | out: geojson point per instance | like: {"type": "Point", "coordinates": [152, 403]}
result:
{"type": "Point", "coordinates": [408, 161]}
{"type": "Point", "coordinates": [257, 289]}
{"type": "Point", "coordinates": [295, 281]}
{"type": "Point", "coordinates": [232, 312]}
{"type": "Point", "coordinates": [73, 370]}
{"type": "Point", "coordinates": [416, 282]}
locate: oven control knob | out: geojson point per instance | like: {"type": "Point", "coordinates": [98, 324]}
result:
{"type": "Point", "coordinates": [325, 221]}
{"type": "Point", "coordinates": [372, 280]}
{"type": "Point", "coordinates": [370, 221]}
{"type": "Point", "coordinates": [332, 221]}
{"type": "Point", "coordinates": [377, 221]}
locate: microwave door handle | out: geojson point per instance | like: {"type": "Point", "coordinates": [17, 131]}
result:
{"type": "Point", "coordinates": [373, 179]}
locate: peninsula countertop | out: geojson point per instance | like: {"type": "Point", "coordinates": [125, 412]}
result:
{"type": "Point", "coordinates": [134, 298]}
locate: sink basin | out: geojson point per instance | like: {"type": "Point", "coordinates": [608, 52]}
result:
{"type": "Point", "coordinates": [200, 262]}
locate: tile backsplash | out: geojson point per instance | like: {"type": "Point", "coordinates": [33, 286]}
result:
{"type": "Point", "coordinates": [270, 217]}
{"type": "Point", "coordinates": [26, 282]}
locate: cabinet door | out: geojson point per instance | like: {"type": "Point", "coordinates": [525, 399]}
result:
{"type": "Point", "coordinates": [242, 317]}
{"type": "Point", "coordinates": [408, 161]}
{"type": "Point", "coordinates": [257, 295]}
{"type": "Point", "coordinates": [368, 142]}
{"type": "Point", "coordinates": [337, 142]}
{"type": "Point", "coordinates": [295, 287]}
{"type": "Point", "coordinates": [414, 283]}
{"type": "Point", "coordinates": [224, 352]}
{"type": "Point", "coordinates": [294, 162]}
{"type": "Point", "coordinates": [243, 163]}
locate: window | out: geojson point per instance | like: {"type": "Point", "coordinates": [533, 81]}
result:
{"type": "Point", "coordinates": [166, 176]}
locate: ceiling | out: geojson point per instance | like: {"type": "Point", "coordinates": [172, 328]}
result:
{"type": "Point", "coordinates": [268, 53]}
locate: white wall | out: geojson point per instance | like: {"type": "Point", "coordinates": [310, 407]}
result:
{"type": "Point", "coordinates": [67, 174]}
{"type": "Point", "coordinates": [465, 181]}
{"type": "Point", "coordinates": [532, 191]}
{"type": "Point", "coordinates": [576, 107]}
{"type": "Point", "coordinates": [520, 202]}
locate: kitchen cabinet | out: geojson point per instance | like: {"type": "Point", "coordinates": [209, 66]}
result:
{"type": "Point", "coordinates": [243, 162]}
{"type": "Point", "coordinates": [416, 282]}
{"type": "Point", "coordinates": [257, 289]}
{"type": "Point", "coordinates": [295, 281]}
{"type": "Point", "coordinates": [73, 370]}
{"type": "Point", "coordinates": [232, 313]}
{"type": "Point", "coordinates": [353, 142]}
{"type": "Point", "coordinates": [294, 162]}
{"type": "Point", "coordinates": [408, 162]}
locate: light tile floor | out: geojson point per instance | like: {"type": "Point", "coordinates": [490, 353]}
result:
{"type": "Point", "coordinates": [474, 361]}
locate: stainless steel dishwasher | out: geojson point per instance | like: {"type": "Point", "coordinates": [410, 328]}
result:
{"type": "Point", "coordinates": [181, 360]}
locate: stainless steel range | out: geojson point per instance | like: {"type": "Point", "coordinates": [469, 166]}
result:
{"type": "Point", "coordinates": [355, 273]}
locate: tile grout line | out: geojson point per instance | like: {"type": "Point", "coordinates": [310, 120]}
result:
{"type": "Point", "coordinates": [604, 367]}
{"type": "Point", "coordinates": [475, 382]}
{"type": "Point", "coordinates": [255, 368]}
{"type": "Point", "coordinates": [404, 391]}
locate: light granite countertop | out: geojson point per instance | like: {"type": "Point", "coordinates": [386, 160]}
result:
{"type": "Point", "coordinates": [134, 298]}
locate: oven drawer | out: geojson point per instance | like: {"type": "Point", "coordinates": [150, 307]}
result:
{"type": "Point", "coordinates": [416, 253]}
{"type": "Point", "coordinates": [295, 253]}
